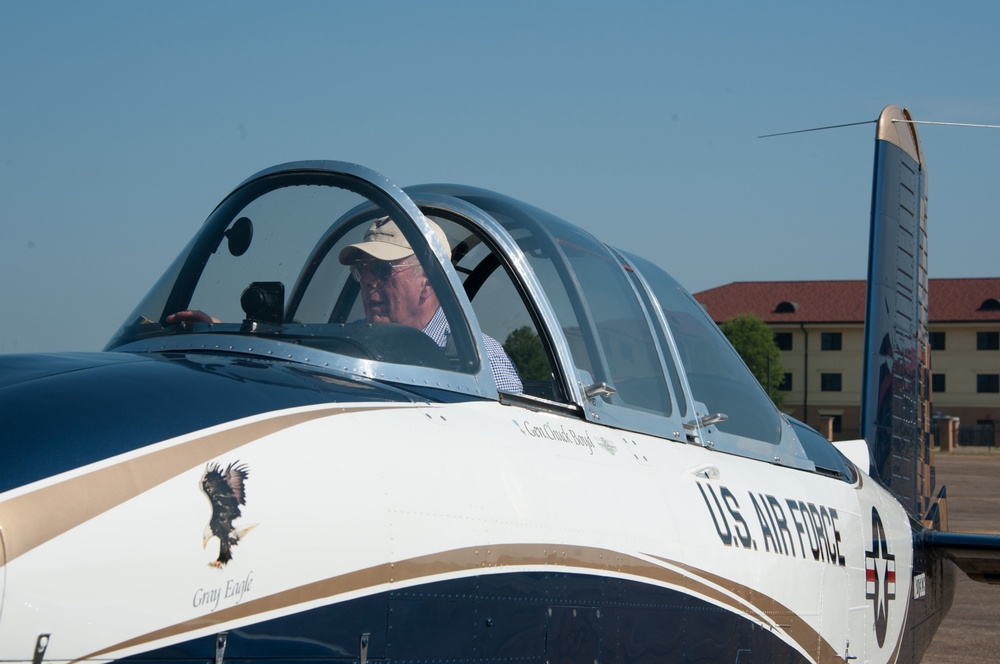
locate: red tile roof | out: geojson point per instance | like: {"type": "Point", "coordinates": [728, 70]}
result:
{"type": "Point", "coordinates": [950, 300]}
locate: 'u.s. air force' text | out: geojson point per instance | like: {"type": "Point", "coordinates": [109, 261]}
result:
{"type": "Point", "coordinates": [790, 527]}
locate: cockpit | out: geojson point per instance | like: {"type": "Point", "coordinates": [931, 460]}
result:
{"type": "Point", "coordinates": [592, 332]}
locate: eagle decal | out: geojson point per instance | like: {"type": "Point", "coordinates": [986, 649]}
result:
{"type": "Point", "coordinates": [226, 492]}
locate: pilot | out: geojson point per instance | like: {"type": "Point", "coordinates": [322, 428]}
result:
{"type": "Point", "coordinates": [394, 289]}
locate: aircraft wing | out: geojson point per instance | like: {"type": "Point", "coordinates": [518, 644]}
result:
{"type": "Point", "coordinates": [978, 555]}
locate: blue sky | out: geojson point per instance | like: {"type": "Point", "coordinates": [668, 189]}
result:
{"type": "Point", "coordinates": [122, 124]}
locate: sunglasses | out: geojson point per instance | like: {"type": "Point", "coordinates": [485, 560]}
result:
{"type": "Point", "coordinates": [380, 270]}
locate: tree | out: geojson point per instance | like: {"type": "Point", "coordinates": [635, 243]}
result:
{"type": "Point", "coordinates": [526, 351]}
{"type": "Point", "coordinates": [754, 341]}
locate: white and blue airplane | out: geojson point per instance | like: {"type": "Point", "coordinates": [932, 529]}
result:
{"type": "Point", "coordinates": [285, 478]}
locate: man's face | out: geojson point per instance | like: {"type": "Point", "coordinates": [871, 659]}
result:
{"type": "Point", "coordinates": [394, 295]}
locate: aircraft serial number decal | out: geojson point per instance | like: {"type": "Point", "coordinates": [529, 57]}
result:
{"type": "Point", "coordinates": [781, 525]}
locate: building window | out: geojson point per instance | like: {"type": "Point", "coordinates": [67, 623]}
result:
{"type": "Point", "coordinates": [987, 340]}
{"type": "Point", "coordinates": [783, 340]}
{"type": "Point", "coordinates": [937, 383]}
{"type": "Point", "coordinates": [937, 340]}
{"type": "Point", "coordinates": [786, 307]}
{"type": "Point", "coordinates": [988, 383]}
{"type": "Point", "coordinates": [830, 341]}
{"type": "Point", "coordinates": [786, 383]}
{"type": "Point", "coordinates": [829, 382]}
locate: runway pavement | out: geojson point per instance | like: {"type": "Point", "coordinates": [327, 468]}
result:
{"type": "Point", "coordinates": [971, 631]}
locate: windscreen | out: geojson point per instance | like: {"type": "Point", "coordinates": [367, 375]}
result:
{"type": "Point", "coordinates": [316, 260]}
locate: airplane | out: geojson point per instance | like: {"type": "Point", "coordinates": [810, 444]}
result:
{"type": "Point", "coordinates": [284, 480]}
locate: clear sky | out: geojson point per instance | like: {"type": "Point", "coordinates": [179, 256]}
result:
{"type": "Point", "coordinates": [122, 124]}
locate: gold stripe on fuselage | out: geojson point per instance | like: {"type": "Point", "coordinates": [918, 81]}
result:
{"type": "Point", "coordinates": [74, 501]}
{"type": "Point", "coordinates": [495, 560]}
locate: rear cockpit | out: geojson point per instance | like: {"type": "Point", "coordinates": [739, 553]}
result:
{"type": "Point", "coordinates": [591, 332]}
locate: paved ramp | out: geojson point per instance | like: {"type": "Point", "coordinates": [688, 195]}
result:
{"type": "Point", "coordinates": [971, 632]}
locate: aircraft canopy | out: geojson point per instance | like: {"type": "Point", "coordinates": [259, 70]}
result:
{"type": "Point", "coordinates": [592, 331]}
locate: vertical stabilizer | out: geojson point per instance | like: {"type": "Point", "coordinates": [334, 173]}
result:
{"type": "Point", "coordinates": [895, 415]}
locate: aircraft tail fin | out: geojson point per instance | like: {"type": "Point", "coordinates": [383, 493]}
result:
{"type": "Point", "coordinates": [895, 414]}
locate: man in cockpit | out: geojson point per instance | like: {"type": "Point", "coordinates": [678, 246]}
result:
{"type": "Point", "coordinates": [394, 289]}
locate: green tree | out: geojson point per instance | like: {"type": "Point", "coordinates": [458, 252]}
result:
{"type": "Point", "coordinates": [754, 341]}
{"type": "Point", "coordinates": [526, 351]}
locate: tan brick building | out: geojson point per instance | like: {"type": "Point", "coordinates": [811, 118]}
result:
{"type": "Point", "coordinates": [819, 326]}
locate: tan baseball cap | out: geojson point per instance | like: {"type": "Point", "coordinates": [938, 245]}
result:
{"type": "Point", "coordinates": [384, 241]}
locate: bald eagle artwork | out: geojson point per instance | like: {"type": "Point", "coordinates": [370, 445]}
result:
{"type": "Point", "coordinates": [226, 492]}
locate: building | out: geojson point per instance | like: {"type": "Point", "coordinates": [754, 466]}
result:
{"type": "Point", "coordinates": [819, 327]}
